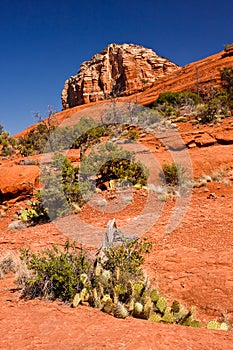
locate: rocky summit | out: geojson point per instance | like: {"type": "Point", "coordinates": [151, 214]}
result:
{"type": "Point", "coordinates": [118, 70]}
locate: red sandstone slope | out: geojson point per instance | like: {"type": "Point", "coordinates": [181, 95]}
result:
{"type": "Point", "coordinates": [202, 73]}
{"type": "Point", "coordinates": [192, 264]}
{"type": "Point", "coordinates": [199, 74]}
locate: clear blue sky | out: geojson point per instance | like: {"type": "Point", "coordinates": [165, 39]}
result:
{"type": "Point", "coordinates": [44, 42]}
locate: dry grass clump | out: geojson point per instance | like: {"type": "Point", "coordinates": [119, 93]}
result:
{"type": "Point", "coordinates": [11, 262]}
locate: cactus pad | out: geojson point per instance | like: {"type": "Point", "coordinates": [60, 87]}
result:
{"type": "Point", "coordinates": [161, 304]}
{"type": "Point", "coordinates": [155, 317]}
{"type": "Point", "coordinates": [121, 311]}
{"type": "Point", "coordinates": [76, 300]}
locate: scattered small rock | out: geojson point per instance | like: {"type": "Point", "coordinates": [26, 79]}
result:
{"type": "Point", "coordinates": [17, 225]}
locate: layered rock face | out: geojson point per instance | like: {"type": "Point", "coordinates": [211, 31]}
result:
{"type": "Point", "coordinates": [116, 71]}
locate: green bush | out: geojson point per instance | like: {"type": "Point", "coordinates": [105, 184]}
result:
{"type": "Point", "coordinates": [61, 187]}
{"type": "Point", "coordinates": [55, 273]}
{"type": "Point", "coordinates": [172, 174]}
{"type": "Point", "coordinates": [115, 284]}
{"type": "Point", "coordinates": [7, 142]}
{"type": "Point", "coordinates": [109, 162]}
{"type": "Point", "coordinates": [169, 103]}
{"type": "Point", "coordinates": [227, 84]}
{"type": "Point", "coordinates": [127, 257]}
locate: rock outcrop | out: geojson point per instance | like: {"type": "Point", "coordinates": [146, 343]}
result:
{"type": "Point", "coordinates": [117, 70]}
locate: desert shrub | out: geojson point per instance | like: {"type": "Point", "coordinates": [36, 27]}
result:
{"type": "Point", "coordinates": [228, 47]}
{"type": "Point", "coordinates": [109, 162]}
{"type": "Point", "coordinates": [208, 113]}
{"type": "Point", "coordinates": [61, 187]}
{"type": "Point", "coordinates": [227, 78]}
{"type": "Point", "coordinates": [8, 263]}
{"type": "Point", "coordinates": [132, 135]}
{"type": "Point", "coordinates": [177, 99]}
{"type": "Point", "coordinates": [215, 106]}
{"type": "Point", "coordinates": [55, 273]}
{"type": "Point", "coordinates": [7, 143]}
{"type": "Point", "coordinates": [88, 133]}
{"type": "Point", "coordinates": [46, 137]}
{"type": "Point", "coordinates": [227, 84]}
{"type": "Point", "coordinates": [172, 174]}
{"type": "Point", "coordinates": [37, 139]}
{"type": "Point", "coordinates": [115, 284]}
{"type": "Point", "coordinates": [127, 257]}
{"type": "Point", "coordinates": [169, 103]}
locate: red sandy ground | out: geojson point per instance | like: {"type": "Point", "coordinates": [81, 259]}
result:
{"type": "Point", "coordinates": [192, 264]}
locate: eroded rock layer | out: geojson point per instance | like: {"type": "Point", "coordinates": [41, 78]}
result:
{"type": "Point", "coordinates": [117, 70]}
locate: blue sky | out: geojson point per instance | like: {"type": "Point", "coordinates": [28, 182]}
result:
{"type": "Point", "coordinates": [44, 42]}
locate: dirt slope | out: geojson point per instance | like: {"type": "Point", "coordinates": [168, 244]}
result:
{"type": "Point", "coordinates": [192, 264]}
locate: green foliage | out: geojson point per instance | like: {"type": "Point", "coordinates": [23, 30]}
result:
{"type": "Point", "coordinates": [47, 137]}
{"type": "Point", "coordinates": [227, 78]}
{"type": "Point", "coordinates": [177, 99]}
{"type": "Point", "coordinates": [109, 162]}
{"type": "Point", "coordinates": [88, 133]}
{"type": "Point", "coordinates": [172, 174]}
{"type": "Point", "coordinates": [7, 142]}
{"type": "Point", "coordinates": [169, 103]}
{"type": "Point", "coordinates": [127, 257]}
{"type": "Point", "coordinates": [34, 214]}
{"type": "Point", "coordinates": [132, 135]}
{"type": "Point", "coordinates": [65, 186]}
{"type": "Point", "coordinates": [68, 275]}
{"type": "Point", "coordinates": [227, 84]}
{"type": "Point", "coordinates": [61, 187]}
{"type": "Point", "coordinates": [39, 139]}
{"type": "Point", "coordinates": [55, 272]}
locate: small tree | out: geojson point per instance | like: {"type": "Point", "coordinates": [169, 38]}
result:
{"type": "Point", "coordinates": [227, 83]}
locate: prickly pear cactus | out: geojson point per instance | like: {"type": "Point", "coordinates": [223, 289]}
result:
{"type": "Point", "coordinates": [96, 299]}
{"type": "Point", "coordinates": [106, 276]}
{"type": "Point", "coordinates": [176, 307]}
{"type": "Point", "coordinates": [224, 327]}
{"type": "Point", "coordinates": [188, 318]}
{"type": "Point", "coordinates": [120, 289]}
{"type": "Point", "coordinates": [195, 324]}
{"type": "Point", "coordinates": [131, 305]}
{"type": "Point", "coordinates": [214, 324]}
{"type": "Point", "coordinates": [121, 311]}
{"type": "Point", "coordinates": [168, 317]}
{"type": "Point", "coordinates": [108, 307]}
{"type": "Point", "coordinates": [137, 289]}
{"type": "Point", "coordinates": [105, 298]}
{"type": "Point", "coordinates": [154, 295]}
{"type": "Point", "coordinates": [100, 289]}
{"type": "Point", "coordinates": [76, 300]}
{"type": "Point", "coordinates": [161, 304]}
{"type": "Point", "coordinates": [155, 317]}
{"type": "Point", "coordinates": [98, 270]}
{"type": "Point", "coordinates": [138, 309]}
{"type": "Point", "coordinates": [148, 308]}
{"type": "Point", "coordinates": [180, 314]}
{"type": "Point", "coordinates": [84, 295]}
